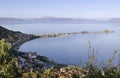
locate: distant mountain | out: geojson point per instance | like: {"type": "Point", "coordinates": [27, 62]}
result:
{"type": "Point", "coordinates": [46, 20]}
{"type": "Point", "coordinates": [61, 20]}
{"type": "Point", "coordinates": [54, 20]}
{"type": "Point", "coordinates": [11, 20]}
{"type": "Point", "coordinates": [114, 20]}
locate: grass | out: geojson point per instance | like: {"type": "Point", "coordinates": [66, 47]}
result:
{"type": "Point", "coordinates": [96, 69]}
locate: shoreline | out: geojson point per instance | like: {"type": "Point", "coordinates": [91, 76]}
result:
{"type": "Point", "coordinates": [18, 43]}
{"type": "Point", "coordinates": [45, 62]}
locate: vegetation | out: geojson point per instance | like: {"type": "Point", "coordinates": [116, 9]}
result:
{"type": "Point", "coordinates": [96, 69]}
{"type": "Point", "coordinates": [92, 69]}
{"type": "Point", "coordinates": [8, 64]}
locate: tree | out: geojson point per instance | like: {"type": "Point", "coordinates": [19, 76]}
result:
{"type": "Point", "coordinates": [8, 64]}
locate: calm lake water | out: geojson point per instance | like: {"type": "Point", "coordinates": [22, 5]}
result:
{"type": "Point", "coordinates": [71, 49]}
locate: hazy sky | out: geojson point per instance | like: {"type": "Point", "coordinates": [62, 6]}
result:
{"type": "Point", "coordinates": [60, 8]}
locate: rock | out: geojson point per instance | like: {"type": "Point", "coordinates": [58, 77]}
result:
{"type": "Point", "coordinates": [106, 31]}
{"type": "Point", "coordinates": [85, 32]}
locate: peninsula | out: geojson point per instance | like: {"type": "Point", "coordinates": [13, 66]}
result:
{"type": "Point", "coordinates": [30, 61]}
{"type": "Point", "coordinates": [17, 38]}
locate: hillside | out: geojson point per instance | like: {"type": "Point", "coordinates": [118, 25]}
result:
{"type": "Point", "coordinates": [13, 36]}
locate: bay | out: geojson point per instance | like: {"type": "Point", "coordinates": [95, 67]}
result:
{"type": "Point", "coordinates": [71, 49]}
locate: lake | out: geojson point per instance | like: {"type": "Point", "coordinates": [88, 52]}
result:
{"type": "Point", "coordinates": [71, 49]}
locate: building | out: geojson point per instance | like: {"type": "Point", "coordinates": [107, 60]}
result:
{"type": "Point", "coordinates": [31, 55]}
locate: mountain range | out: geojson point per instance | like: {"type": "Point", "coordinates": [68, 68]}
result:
{"type": "Point", "coordinates": [8, 20]}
